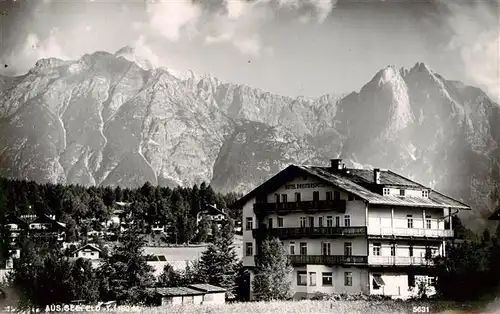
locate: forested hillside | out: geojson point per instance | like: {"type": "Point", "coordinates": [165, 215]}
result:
{"type": "Point", "coordinates": [80, 207]}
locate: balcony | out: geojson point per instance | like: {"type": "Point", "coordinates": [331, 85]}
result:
{"type": "Point", "coordinates": [310, 232]}
{"type": "Point", "coordinates": [410, 232]}
{"type": "Point", "coordinates": [304, 206]}
{"type": "Point", "coordinates": [301, 260]}
{"type": "Point", "coordinates": [399, 261]}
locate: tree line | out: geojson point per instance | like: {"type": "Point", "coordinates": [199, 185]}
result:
{"type": "Point", "coordinates": [84, 208]}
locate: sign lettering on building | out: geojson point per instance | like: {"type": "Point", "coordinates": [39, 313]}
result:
{"type": "Point", "coordinates": [304, 186]}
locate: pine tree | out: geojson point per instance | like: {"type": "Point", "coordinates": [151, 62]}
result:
{"type": "Point", "coordinates": [273, 276]}
{"type": "Point", "coordinates": [219, 263]}
{"type": "Point", "coordinates": [169, 277]}
{"type": "Point", "coordinates": [126, 272]}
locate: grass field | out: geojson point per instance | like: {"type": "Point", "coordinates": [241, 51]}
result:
{"type": "Point", "coordinates": [189, 253]}
{"type": "Point", "coordinates": [317, 307]}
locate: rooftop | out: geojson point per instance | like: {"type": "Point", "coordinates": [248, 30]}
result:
{"type": "Point", "coordinates": [205, 287]}
{"type": "Point", "coordinates": [177, 291]}
{"type": "Point", "coordinates": [360, 183]}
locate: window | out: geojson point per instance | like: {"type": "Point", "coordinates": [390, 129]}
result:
{"type": "Point", "coordinates": [329, 221]}
{"type": "Point", "coordinates": [316, 196]}
{"type": "Point", "coordinates": [347, 248]}
{"type": "Point", "coordinates": [347, 220]}
{"type": "Point", "coordinates": [327, 279]}
{"type": "Point", "coordinates": [329, 195]}
{"type": "Point", "coordinates": [411, 280]}
{"type": "Point", "coordinates": [270, 223]}
{"type": "Point", "coordinates": [386, 191]}
{"type": "Point", "coordinates": [393, 249]}
{"type": "Point", "coordinates": [350, 197]}
{"type": "Point", "coordinates": [249, 224]}
{"type": "Point", "coordinates": [401, 192]}
{"type": "Point", "coordinates": [320, 221]}
{"type": "Point", "coordinates": [249, 249]}
{"type": "Point", "coordinates": [376, 249]}
{"type": "Point", "coordinates": [297, 196]}
{"type": "Point", "coordinates": [280, 222]}
{"type": "Point", "coordinates": [302, 222]}
{"type": "Point", "coordinates": [277, 198]}
{"type": "Point", "coordinates": [326, 248]}
{"type": "Point", "coordinates": [347, 278]}
{"type": "Point", "coordinates": [377, 282]}
{"type": "Point", "coordinates": [301, 278]}
{"type": "Point", "coordinates": [428, 223]}
{"type": "Point", "coordinates": [311, 221]}
{"type": "Point", "coordinates": [336, 195]}
{"type": "Point", "coordinates": [337, 221]}
{"type": "Point", "coordinates": [410, 221]}
{"type": "Point", "coordinates": [284, 198]}
{"type": "Point", "coordinates": [292, 247]}
{"type": "Point", "coordinates": [303, 248]}
{"type": "Point", "coordinates": [410, 250]}
{"type": "Point", "coordinates": [428, 253]}
{"type": "Point", "coordinates": [312, 278]}
{"type": "Point", "coordinates": [208, 297]}
{"type": "Point", "coordinates": [425, 193]}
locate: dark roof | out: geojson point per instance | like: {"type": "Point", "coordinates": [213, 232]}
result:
{"type": "Point", "coordinates": [177, 291]}
{"type": "Point", "coordinates": [387, 178]}
{"type": "Point", "coordinates": [205, 287]}
{"type": "Point", "coordinates": [356, 182]}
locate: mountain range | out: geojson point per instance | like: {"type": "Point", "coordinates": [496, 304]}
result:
{"type": "Point", "coordinates": [113, 119]}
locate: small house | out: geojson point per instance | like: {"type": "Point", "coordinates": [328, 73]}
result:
{"type": "Point", "coordinates": [89, 251]}
{"type": "Point", "coordinates": [177, 295]}
{"type": "Point", "coordinates": [212, 294]}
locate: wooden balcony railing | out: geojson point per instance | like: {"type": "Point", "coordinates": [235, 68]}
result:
{"type": "Point", "coordinates": [399, 261]}
{"type": "Point", "coordinates": [300, 260]}
{"type": "Point", "coordinates": [305, 206]}
{"type": "Point", "coordinates": [310, 232]}
{"type": "Point", "coordinates": [410, 232]}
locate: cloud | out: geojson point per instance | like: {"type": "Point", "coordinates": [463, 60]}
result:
{"type": "Point", "coordinates": [33, 49]}
{"type": "Point", "coordinates": [476, 35]}
{"type": "Point", "coordinates": [170, 18]}
{"type": "Point", "coordinates": [236, 22]}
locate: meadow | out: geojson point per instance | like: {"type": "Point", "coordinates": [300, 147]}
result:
{"type": "Point", "coordinates": [320, 307]}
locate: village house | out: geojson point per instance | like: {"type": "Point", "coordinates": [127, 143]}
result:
{"type": "Point", "coordinates": [349, 230]}
{"type": "Point", "coordinates": [88, 251]}
{"type": "Point", "coordinates": [193, 294]}
{"type": "Point", "coordinates": [212, 294]}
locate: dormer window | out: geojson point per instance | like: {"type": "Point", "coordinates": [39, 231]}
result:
{"type": "Point", "coordinates": [401, 192]}
{"type": "Point", "coordinates": [386, 191]}
{"type": "Point", "coordinates": [425, 193]}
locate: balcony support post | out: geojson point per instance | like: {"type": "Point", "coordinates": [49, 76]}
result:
{"type": "Point", "coordinates": [423, 219]}
{"type": "Point", "coordinates": [392, 217]}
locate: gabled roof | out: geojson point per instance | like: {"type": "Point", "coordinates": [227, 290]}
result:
{"type": "Point", "coordinates": [358, 183]}
{"type": "Point", "coordinates": [87, 246]}
{"type": "Point", "coordinates": [207, 288]}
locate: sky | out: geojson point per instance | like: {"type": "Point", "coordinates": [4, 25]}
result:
{"type": "Point", "coordinates": [289, 47]}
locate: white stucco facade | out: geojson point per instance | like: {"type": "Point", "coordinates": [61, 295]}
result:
{"type": "Point", "coordinates": [342, 245]}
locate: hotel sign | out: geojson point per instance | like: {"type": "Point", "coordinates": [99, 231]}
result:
{"type": "Point", "coordinates": [304, 186]}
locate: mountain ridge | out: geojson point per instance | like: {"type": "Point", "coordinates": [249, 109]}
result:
{"type": "Point", "coordinates": [105, 120]}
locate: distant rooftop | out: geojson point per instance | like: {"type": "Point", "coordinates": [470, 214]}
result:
{"type": "Point", "coordinates": [177, 291]}
{"type": "Point", "coordinates": [205, 287]}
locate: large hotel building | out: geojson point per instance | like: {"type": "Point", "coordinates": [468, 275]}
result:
{"type": "Point", "coordinates": [349, 230]}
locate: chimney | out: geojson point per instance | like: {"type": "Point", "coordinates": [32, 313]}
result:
{"type": "Point", "coordinates": [376, 176]}
{"type": "Point", "coordinates": [336, 164]}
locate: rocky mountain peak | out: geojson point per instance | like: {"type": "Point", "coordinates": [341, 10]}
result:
{"type": "Point", "coordinates": [110, 119]}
